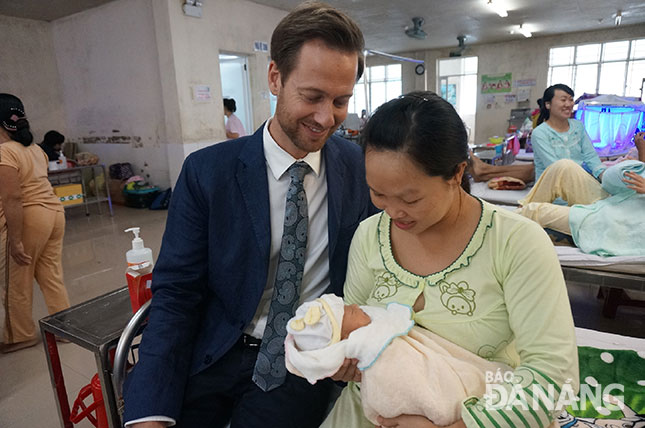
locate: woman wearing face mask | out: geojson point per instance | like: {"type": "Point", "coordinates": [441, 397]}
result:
{"type": "Point", "coordinates": [483, 278]}
{"type": "Point", "coordinates": [32, 225]}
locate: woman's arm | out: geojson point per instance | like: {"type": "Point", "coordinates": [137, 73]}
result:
{"type": "Point", "coordinates": [539, 316]}
{"type": "Point", "coordinates": [232, 135]}
{"type": "Point", "coordinates": [358, 284]}
{"type": "Point", "coordinates": [589, 154]}
{"type": "Point", "coordinates": [11, 197]}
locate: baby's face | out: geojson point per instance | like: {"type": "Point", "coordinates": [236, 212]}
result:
{"type": "Point", "coordinates": [353, 318]}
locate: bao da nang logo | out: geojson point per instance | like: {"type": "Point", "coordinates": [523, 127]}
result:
{"type": "Point", "coordinates": [505, 390]}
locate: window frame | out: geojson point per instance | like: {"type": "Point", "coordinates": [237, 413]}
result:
{"type": "Point", "coordinates": [572, 66]}
{"type": "Point", "coordinates": [367, 82]}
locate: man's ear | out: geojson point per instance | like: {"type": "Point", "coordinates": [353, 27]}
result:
{"type": "Point", "coordinates": [275, 79]}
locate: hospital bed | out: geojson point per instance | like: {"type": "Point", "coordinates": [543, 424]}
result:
{"type": "Point", "coordinates": [617, 277]}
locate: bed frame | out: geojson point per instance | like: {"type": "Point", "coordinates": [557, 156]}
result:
{"type": "Point", "coordinates": [612, 286]}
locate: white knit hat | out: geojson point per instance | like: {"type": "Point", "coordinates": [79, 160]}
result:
{"type": "Point", "coordinates": [317, 324]}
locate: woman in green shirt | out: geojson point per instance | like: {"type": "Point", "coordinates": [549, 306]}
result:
{"type": "Point", "coordinates": [488, 280]}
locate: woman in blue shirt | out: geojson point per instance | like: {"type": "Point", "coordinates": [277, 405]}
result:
{"type": "Point", "coordinates": [557, 136]}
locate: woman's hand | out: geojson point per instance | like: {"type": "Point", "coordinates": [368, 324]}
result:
{"type": "Point", "coordinates": [348, 372]}
{"type": "Point", "coordinates": [635, 182]}
{"type": "Point", "coordinates": [413, 421]}
{"type": "Point", "coordinates": [18, 253]}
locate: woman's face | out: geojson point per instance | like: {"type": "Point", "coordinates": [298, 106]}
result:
{"type": "Point", "coordinates": [561, 105]}
{"type": "Point", "coordinates": [415, 201]}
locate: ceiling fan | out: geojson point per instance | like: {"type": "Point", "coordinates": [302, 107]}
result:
{"type": "Point", "coordinates": [461, 47]}
{"type": "Point", "coordinates": [416, 32]}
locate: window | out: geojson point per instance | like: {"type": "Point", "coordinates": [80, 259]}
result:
{"type": "Point", "coordinates": [616, 68]}
{"type": "Point", "coordinates": [457, 84]}
{"type": "Point", "coordinates": [383, 84]}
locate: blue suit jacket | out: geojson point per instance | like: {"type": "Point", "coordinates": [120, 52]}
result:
{"type": "Point", "coordinates": [214, 260]}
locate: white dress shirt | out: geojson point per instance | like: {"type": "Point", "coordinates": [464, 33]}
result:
{"type": "Point", "coordinates": [315, 278]}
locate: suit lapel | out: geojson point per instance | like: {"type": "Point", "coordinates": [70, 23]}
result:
{"type": "Point", "coordinates": [251, 175]}
{"type": "Point", "coordinates": [335, 168]}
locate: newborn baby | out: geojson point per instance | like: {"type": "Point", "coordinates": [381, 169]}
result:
{"type": "Point", "coordinates": [406, 369]}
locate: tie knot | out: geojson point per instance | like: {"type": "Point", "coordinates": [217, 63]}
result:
{"type": "Point", "coordinates": [298, 170]}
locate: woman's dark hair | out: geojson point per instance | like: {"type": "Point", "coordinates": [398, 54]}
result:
{"type": "Point", "coordinates": [314, 20]}
{"type": "Point", "coordinates": [52, 138]}
{"type": "Point", "coordinates": [425, 127]}
{"type": "Point", "coordinates": [547, 97]}
{"type": "Point", "coordinates": [13, 119]}
{"type": "Point", "coordinates": [229, 104]}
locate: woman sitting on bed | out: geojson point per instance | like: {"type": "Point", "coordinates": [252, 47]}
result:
{"type": "Point", "coordinates": [611, 225]}
{"type": "Point", "coordinates": [485, 279]}
{"type": "Point", "coordinates": [556, 137]}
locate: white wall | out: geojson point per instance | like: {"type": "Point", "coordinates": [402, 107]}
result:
{"type": "Point", "coordinates": [526, 59]}
{"type": "Point", "coordinates": [28, 70]}
{"type": "Point", "coordinates": [118, 78]}
{"type": "Point", "coordinates": [109, 68]}
{"type": "Point", "coordinates": [194, 44]}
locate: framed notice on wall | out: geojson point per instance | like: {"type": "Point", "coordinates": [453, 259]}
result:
{"type": "Point", "coordinates": [492, 84]}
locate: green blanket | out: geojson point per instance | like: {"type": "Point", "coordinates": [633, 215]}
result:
{"type": "Point", "coordinates": [613, 383]}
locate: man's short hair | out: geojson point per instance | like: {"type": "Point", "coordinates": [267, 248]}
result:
{"type": "Point", "coordinates": [314, 20]}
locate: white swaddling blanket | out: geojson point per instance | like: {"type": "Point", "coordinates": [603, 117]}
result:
{"type": "Point", "coordinates": [406, 369]}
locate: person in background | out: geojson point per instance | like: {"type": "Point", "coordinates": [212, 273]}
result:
{"type": "Point", "coordinates": [363, 119]}
{"type": "Point", "coordinates": [606, 222]}
{"type": "Point", "coordinates": [556, 137]}
{"type": "Point", "coordinates": [52, 144]}
{"type": "Point", "coordinates": [256, 226]}
{"type": "Point", "coordinates": [234, 127]}
{"type": "Point", "coordinates": [32, 225]}
{"type": "Point", "coordinates": [481, 277]}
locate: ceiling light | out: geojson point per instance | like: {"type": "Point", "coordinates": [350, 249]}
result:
{"type": "Point", "coordinates": [523, 31]}
{"type": "Point", "coordinates": [497, 8]}
{"type": "Point", "coordinates": [618, 18]}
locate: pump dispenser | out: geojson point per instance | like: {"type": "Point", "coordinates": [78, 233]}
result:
{"type": "Point", "coordinates": [138, 254]}
{"type": "Point", "coordinates": [139, 272]}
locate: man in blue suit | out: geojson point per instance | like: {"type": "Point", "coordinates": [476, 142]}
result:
{"type": "Point", "coordinates": [215, 277]}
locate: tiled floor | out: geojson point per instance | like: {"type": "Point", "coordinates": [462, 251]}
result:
{"type": "Point", "coordinates": [94, 263]}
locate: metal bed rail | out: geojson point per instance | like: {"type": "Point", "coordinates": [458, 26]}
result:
{"type": "Point", "coordinates": [131, 330]}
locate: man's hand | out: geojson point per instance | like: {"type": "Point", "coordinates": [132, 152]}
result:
{"type": "Point", "coordinates": [348, 372]}
{"type": "Point", "coordinates": [413, 421]}
{"type": "Point", "coordinates": [18, 253]}
{"type": "Point", "coordinates": [635, 182]}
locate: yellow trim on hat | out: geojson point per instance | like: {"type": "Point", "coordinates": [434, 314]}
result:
{"type": "Point", "coordinates": [335, 329]}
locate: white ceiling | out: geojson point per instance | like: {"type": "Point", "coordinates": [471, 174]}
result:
{"type": "Point", "coordinates": [46, 10]}
{"type": "Point", "coordinates": [383, 21]}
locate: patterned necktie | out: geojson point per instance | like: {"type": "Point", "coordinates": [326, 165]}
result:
{"type": "Point", "coordinates": [270, 369]}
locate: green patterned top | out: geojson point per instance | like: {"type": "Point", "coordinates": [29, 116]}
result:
{"type": "Point", "coordinates": [504, 299]}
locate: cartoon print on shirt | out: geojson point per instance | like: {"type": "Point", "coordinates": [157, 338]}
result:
{"type": "Point", "coordinates": [458, 298]}
{"type": "Point", "coordinates": [386, 286]}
